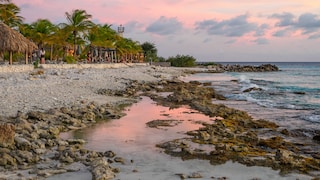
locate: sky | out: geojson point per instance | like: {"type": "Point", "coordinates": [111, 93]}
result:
{"type": "Point", "coordinates": [209, 30]}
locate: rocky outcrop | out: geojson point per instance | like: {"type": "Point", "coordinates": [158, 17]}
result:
{"type": "Point", "coordinates": [252, 89]}
{"type": "Point", "coordinates": [246, 68]}
{"type": "Point", "coordinates": [32, 140]}
{"type": "Point", "coordinates": [234, 136]}
{"type": "Point", "coordinates": [242, 68]}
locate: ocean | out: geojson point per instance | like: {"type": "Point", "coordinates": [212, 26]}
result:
{"type": "Point", "coordinates": [289, 97]}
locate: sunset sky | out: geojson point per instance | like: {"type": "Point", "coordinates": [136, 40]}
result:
{"type": "Point", "coordinates": [209, 30]}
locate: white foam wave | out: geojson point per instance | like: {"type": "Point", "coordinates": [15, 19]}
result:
{"type": "Point", "coordinates": [250, 85]}
{"type": "Point", "coordinates": [244, 79]}
{"type": "Point", "coordinates": [313, 118]}
{"type": "Point", "coordinates": [249, 98]}
{"type": "Point", "coordinates": [246, 83]}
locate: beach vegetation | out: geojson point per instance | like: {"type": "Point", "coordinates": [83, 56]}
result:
{"type": "Point", "coordinates": [36, 64]}
{"type": "Point", "coordinates": [150, 51]}
{"type": "Point", "coordinates": [78, 25]}
{"type": "Point", "coordinates": [102, 36]}
{"type": "Point", "coordinates": [161, 59]}
{"type": "Point", "coordinates": [9, 14]}
{"type": "Point", "coordinates": [41, 31]}
{"type": "Point", "coordinates": [182, 61]}
{"type": "Point", "coordinates": [77, 36]}
{"type": "Point", "coordinates": [70, 60]}
{"type": "Point", "coordinates": [128, 46]}
{"type": "Point", "coordinates": [208, 63]}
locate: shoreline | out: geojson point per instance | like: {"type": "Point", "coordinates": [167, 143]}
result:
{"type": "Point", "coordinates": [25, 88]}
{"type": "Point", "coordinates": [39, 104]}
{"type": "Point", "coordinates": [102, 85]}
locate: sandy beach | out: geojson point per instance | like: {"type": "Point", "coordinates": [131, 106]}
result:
{"type": "Point", "coordinates": [24, 88]}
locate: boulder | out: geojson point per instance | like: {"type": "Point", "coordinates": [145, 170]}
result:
{"type": "Point", "coordinates": [6, 160]}
{"type": "Point", "coordinates": [284, 156]}
{"type": "Point", "coordinates": [22, 143]}
{"type": "Point", "coordinates": [28, 156]}
{"type": "Point", "coordinates": [89, 116]}
{"type": "Point", "coordinates": [7, 133]}
{"type": "Point", "coordinates": [253, 89]}
{"type": "Point", "coordinates": [204, 135]}
{"type": "Point", "coordinates": [316, 138]}
{"type": "Point", "coordinates": [50, 172]}
{"type": "Point", "coordinates": [76, 141]}
{"type": "Point", "coordinates": [101, 170]}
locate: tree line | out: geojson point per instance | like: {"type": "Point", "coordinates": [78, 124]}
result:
{"type": "Point", "coordinates": [79, 34]}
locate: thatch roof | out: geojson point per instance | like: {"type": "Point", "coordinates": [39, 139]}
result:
{"type": "Point", "coordinates": [13, 41]}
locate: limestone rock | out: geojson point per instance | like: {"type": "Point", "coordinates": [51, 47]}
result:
{"type": "Point", "coordinates": [7, 133]}
{"type": "Point", "coordinates": [6, 160]}
{"type": "Point", "coordinates": [101, 170]}
{"type": "Point", "coordinates": [22, 143]}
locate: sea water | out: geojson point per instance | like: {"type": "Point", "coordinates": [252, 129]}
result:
{"type": "Point", "coordinates": [290, 96]}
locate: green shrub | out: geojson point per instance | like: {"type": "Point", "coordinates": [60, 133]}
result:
{"type": "Point", "coordinates": [70, 60]}
{"type": "Point", "coordinates": [182, 61]}
{"type": "Point", "coordinates": [209, 64]}
{"type": "Point", "coordinates": [36, 64]}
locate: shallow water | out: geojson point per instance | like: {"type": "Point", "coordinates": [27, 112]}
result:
{"type": "Point", "coordinates": [132, 140]}
{"type": "Point", "coordinates": [290, 97]}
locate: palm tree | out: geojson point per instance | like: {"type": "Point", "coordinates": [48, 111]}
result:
{"type": "Point", "coordinates": [59, 41]}
{"type": "Point", "coordinates": [40, 32]}
{"type": "Point", "coordinates": [26, 30]}
{"type": "Point", "coordinates": [78, 24]}
{"type": "Point", "coordinates": [102, 35]}
{"type": "Point", "coordinates": [150, 51]}
{"type": "Point", "coordinates": [42, 29]}
{"type": "Point", "coordinates": [9, 13]}
{"type": "Point", "coordinates": [128, 48]}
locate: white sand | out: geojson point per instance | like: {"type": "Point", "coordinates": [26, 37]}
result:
{"type": "Point", "coordinates": [63, 86]}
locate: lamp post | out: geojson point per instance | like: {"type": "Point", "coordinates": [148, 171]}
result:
{"type": "Point", "coordinates": [120, 30]}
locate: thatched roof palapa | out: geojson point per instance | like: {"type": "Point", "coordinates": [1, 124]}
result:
{"type": "Point", "coordinates": [13, 41]}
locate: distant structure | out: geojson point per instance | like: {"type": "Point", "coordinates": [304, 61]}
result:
{"type": "Point", "coordinates": [121, 30]}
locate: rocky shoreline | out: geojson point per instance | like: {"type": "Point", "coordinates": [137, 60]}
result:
{"type": "Point", "coordinates": [32, 149]}
{"type": "Point", "coordinates": [219, 68]}
{"type": "Point", "coordinates": [31, 141]}
{"type": "Point", "coordinates": [30, 146]}
{"type": "Point", "coordinates": [236, 136]}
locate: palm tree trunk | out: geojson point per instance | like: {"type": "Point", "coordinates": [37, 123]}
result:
{"type": "Point", "coordinates": [10, 57]}
{"type": "Point", "coordinates": [74, 43]}
{"type": "Point", "coordinates": [51, 52]}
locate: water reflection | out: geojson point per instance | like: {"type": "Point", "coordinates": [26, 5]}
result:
{"type": "Point", "coordinates": [131, 139]}
{"type": "Point", "coordinates": [131, 130]}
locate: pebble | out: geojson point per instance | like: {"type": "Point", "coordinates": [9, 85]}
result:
{"type": "Point", "coordinates": [55, 90]}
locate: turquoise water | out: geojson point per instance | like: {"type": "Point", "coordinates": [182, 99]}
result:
{"type": "Point", "coordinates": [296, 88]}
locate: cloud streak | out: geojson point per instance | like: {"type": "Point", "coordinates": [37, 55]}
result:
{"type": "Point", "coordinates": [234, 27]}
{"type": "Point", "coordinates": [165, 26]}
{"type": "Point", "coordinates": [308, 23]}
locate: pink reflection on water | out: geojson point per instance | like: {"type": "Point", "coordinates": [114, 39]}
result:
{"type": "Point", "coordinates": [131, 130]}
